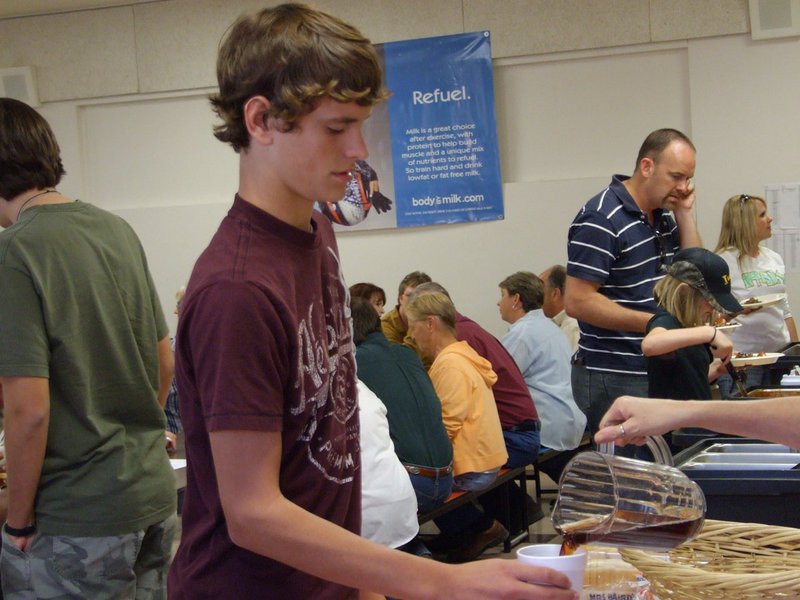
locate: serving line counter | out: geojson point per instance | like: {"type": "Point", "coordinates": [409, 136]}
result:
{"type": "Point", "coordinates": [745, 480]}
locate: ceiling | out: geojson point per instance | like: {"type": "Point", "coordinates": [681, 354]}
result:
{"type": "Point", "coordinates": [23, 8]}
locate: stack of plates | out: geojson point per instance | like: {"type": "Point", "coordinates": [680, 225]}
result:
{"type": "Point", "coordinates": [790, 380]}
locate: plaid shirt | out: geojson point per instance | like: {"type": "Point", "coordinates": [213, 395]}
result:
{"type": "Point", "coordinates": [171, 409]}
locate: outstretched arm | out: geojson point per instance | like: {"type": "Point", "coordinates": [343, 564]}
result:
{"type": "Point", "coordinates": [660, 341]}
{"type": "Point", "coordinates": [262, 520]}
{"type": "Point", "coordinates": [773, 419]}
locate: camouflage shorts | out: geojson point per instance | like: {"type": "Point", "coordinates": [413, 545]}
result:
{"type": "Point", "coordinates": [133, 565]}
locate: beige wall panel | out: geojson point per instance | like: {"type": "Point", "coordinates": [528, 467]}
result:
{"type": "Point", "coordinates": [521, 27]}
{"type": "Point", "coordinates": [390, 20]}
{"type": "Point", "coordinates": [746, 119]}
{"type": "Point", "coordinates": [173, 238]}
{"type": "Point", "coordinates": [176, 42]}
{"type": "Point", "coordinates": [586, 117]}
{"type": "Point", "coordinates": [747, 124]}
{"type": "Point", "coordinates": [18, 8]}
{"type": "Point", "coordinates": [163, 150]}
{"type": "Point", "coordinates": [684, 19]}
{"type": "Point", "coordinates": [76, 55]}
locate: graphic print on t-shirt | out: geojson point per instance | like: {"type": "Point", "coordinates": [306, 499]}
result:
{"type": "Point", "coordinates": [753, 279]}
{"type": "Point", "coordinates": [327, 372]}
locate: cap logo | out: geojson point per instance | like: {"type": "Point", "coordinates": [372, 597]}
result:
{"type": "Point", "coordinates": [726, 279]}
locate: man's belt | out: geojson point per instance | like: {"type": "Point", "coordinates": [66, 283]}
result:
{"type": "Point", "coordinates": [431, 472]}
{"type": "Point", "coordinates": [529, 425]}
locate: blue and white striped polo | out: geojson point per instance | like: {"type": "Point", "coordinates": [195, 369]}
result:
{"type": "Point", "coordinates": [611, 242]}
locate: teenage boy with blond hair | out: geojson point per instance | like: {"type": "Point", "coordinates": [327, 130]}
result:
{"type": "Point", "coordinates": [265, 350]}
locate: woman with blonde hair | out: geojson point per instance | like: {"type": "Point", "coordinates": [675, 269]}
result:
{"type": "Point", "coordinates": [755, 271]}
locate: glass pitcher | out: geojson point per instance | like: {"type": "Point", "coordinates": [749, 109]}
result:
{"type": "Point", "coordinates": [618, 501]}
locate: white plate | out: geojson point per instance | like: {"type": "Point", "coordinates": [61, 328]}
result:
{"type": "Point", "coordinates": [754, 361]}
{"type": "Point", "coordinates": [729, 326]}
{"type": "Point", "coordinates": [764, 300]}
{"type": "Point", "coordinates": [790, 380]}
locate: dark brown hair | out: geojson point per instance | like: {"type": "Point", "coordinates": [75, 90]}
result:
{"type": "Point", "coordinates": [366, 290]}
{"type": "Point", "coordinates": [529, 287]}
{"type": "Point", "coordinates": [29, 154]}
{"type": "Point", "coordinates": [655, 143]}
{"type": "Point", "coordinates": [365, 319]}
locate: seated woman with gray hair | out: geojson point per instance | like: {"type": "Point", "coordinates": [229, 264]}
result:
{"type": "Point", "coordinates": [463, 381]}
{"type": "Point", "coordinates": [542, 353]}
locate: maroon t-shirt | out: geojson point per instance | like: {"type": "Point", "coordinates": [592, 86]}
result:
{"type": "Point", "coordinates": [264, 344]}
{"type": "Point", "coordinates": [514, 403]}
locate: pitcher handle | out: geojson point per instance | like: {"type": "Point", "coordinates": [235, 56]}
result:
{"type": "Point", "coordinates": [657, 444]}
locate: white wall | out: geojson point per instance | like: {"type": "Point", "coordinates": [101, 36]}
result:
{"type": "Point", "coordinates": [566, 123]}
{"type": "Point", "coordinates": [567, 119]}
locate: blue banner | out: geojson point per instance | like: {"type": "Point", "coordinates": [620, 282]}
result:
{"type": "Point", "coordinates": [433, 146]}
{"type": "Point", "coordinates": [443, 130]}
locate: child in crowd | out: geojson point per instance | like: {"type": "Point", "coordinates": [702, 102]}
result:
{"type": "Point", "coordinates": [684, 349]}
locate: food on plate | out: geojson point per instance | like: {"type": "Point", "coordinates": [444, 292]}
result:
{"type": "Point", "coordinates": [749, 354]}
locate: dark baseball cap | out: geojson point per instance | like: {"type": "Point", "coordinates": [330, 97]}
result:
{"type": "Point", "coordinates": [708, 273]}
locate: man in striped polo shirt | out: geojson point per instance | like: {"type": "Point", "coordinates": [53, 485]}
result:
{"type": "Point", "coordinates": [619, 245]}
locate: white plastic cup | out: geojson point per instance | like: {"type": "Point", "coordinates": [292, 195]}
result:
{"type": "Point", "coordinates": [547, 555]}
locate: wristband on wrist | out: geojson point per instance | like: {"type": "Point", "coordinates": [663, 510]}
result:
{"type": "Point", "coordinates": [19, 532]}
{"type": "Point", "coordinates": [713, 337]}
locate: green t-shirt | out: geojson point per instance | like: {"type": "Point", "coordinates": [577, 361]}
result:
{"type": "Point", "coordinates": [78, 306]}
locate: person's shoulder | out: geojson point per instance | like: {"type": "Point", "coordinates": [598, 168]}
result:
{"type": "Point", "coordinates": [607, 200]}
{"type": "Point", "coordinates": [771, 254]}
{"type": "Point", "coordinates": [223, 295]}
{"type": "Point", "coordinates": [448, 357]}
{"type": "Point", "coordinates": [469, 331]}
{"type": "Point", "coordinates": [390, 316]}
{"type": "Point", "coordinates": [664, 319]}
{"type": "Point", "coordinates": [373, 346]}
{"type": "Point", "coordinates": [537, 329]}
{"type": "Point", "coordinates": [542, 321]}
{"type": "Point", "coordinates": [115, 224]}
{"type": "Point", "coordinates": [600, 212]}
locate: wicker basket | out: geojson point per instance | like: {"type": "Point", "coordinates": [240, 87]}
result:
{"type": "Point", "coordinates": [727, 560]}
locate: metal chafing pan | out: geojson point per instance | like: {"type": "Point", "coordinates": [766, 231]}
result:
{"type": "Point", "coordinates": [745, 479]}
{"type": "Point", "coordinates": [746, 457]}
{"type": "Point", "coordinates": [749, 447]}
